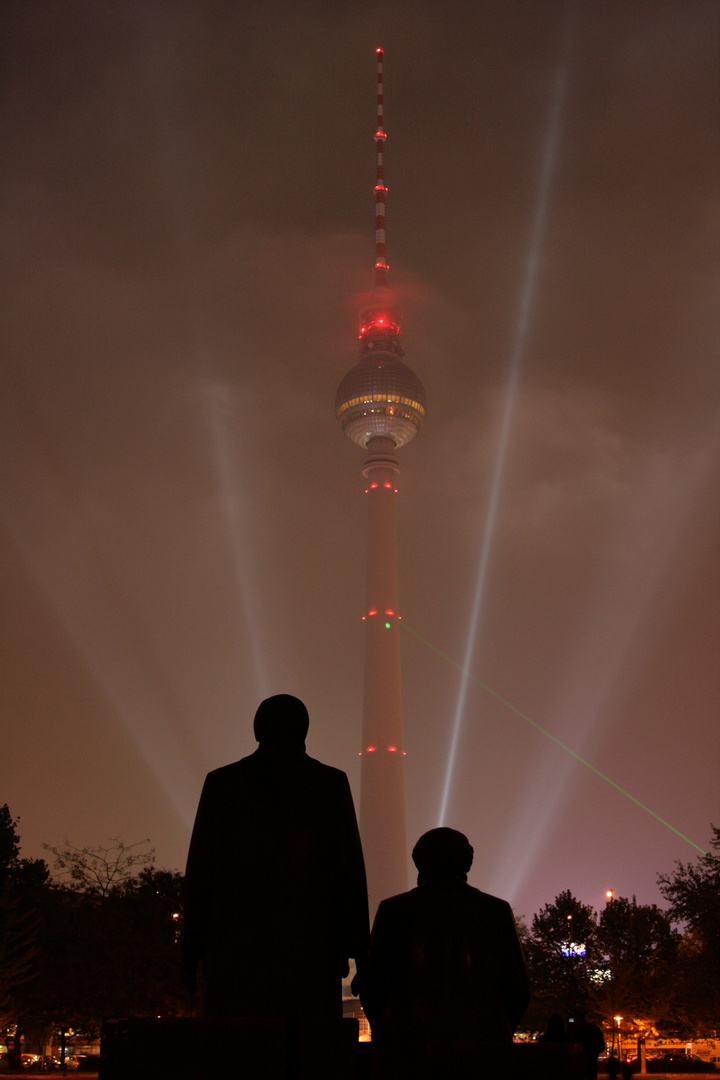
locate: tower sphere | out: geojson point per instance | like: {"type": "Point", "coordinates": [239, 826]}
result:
{"type": "Point", "coordinates": [380, 397]}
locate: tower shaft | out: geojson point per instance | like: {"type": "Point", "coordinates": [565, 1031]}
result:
{"type": "Point", "coordinates": [382, 792]}
{"type": "Point", "coordinates": [381, 405]}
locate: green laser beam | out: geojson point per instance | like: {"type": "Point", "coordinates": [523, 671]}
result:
{"type": "Point", "coordinates": [549, 735]}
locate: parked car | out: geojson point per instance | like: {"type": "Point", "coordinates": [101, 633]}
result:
{"type": "Point", "coordinates": [677, 1063]}
{"type": "Point", "coordinates": [71, 1062]}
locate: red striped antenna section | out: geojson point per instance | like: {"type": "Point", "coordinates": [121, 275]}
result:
{"type": "Point", "coordinates": [381, 266]}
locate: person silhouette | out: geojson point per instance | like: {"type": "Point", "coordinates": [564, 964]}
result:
{"type": "Point", "coordinates": [446, 971]}
{"type": "Point", "coordinates": [555, 1030]}
{"type": "Point", "coordinates": [276, 896]}
{"type": "Point", "coordinates": [590, 1036]}
{"type": "Point", "coordinates": [613, 1065]}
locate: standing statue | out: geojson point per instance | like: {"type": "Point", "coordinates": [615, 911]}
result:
{"type": "Point", "coordinates": [446, 971]}
{"type": "Point", "coordinates": [276, 898]}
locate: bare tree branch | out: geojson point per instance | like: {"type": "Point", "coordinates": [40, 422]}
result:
{"type": "Point", "coordinates": [100, 869]}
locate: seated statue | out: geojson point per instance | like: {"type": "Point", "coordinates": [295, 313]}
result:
{"type": "Point", "coordinates": [446, 971]}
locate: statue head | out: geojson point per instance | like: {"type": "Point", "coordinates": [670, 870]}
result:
{"type": "Point", "coordinates": [282, 722]}
{"type": "Point", "coordinates": [442, 853]}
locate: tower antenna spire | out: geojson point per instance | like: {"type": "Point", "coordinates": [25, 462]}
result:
{"type": "Point", "coordinates": [381, 405]}
{"type": "Point", "coordinates": [381, 266]}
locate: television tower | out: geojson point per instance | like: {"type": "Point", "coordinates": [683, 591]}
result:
{"type": "Point", "coordinates": [380, 405]}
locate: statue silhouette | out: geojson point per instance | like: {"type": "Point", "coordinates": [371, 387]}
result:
{"type": "Point", "coordinates": [446, 971]}
{"type": "Point", "coordinates": [276, 898]}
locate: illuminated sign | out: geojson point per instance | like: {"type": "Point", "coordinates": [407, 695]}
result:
{"type": "Point", "coordinates": [573, 949]}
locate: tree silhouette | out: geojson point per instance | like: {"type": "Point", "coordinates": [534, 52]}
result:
{"type": "Point", "coordinates": [693, 890]}
{"type": "Point", "coordinates": [101, 869]}
{"type": "Point", "coordinates": [639, 953]}
{"type": "Point", "coordinates": [562, 953]}
{"type": "Point", "coordinates": [20, 882]}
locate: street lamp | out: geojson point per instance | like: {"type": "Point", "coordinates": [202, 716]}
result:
{"type": "Point", "coordinates": [617, 1020]}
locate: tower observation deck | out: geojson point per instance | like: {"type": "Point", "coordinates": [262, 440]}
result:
{"type": "Point", "coordinates": [380, 405]}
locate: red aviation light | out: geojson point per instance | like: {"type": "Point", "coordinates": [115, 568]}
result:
{"type": "Point", "coordinates": [387, 484]}
{"type": "Point", "coordinates": [374, 484]}
{"type": "Point", "coordinates": [389, 612]}
{"type": "Point", "coordinates": [392, 749]}
{"type": "Point", "coordinates": [384, 321]}
{"type": "Point", "coordinates": [381, 322]}
{"type": "Point", "coordinates": [371, 749]}
{"type": "Point", "coordinates": [373, 611]}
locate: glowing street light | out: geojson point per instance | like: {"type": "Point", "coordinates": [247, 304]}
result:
{"type": "Point", "coordinates": [617, 1020]}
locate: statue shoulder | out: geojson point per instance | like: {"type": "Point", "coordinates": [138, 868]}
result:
{"type": "Point", "coordinates": [228, 774]}
{"type": "Point", "coordinates": [327, 772]}
{"type": "Point", "coordinates": [490, 903]}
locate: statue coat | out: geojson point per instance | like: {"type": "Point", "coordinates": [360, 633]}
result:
{"type": "Point", "coordinates": [276, 897]}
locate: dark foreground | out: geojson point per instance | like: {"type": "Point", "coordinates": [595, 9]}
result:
{"type": "Point", "coordinates": [225, 1074]}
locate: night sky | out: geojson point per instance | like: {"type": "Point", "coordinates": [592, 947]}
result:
{"type": "Point", "coordinates": [188, 228]}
